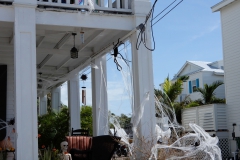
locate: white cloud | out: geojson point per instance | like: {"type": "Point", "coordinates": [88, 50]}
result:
{"type": "Point", "coordinates": [206, 31]}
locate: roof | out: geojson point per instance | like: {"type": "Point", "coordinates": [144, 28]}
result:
{"type": "Point", "coordinates": [204, 66]}
{"type": "Point", "coordinates": [221, 4]}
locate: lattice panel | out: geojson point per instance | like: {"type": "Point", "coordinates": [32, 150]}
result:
{"type": "Point", "coordinates": [224, 146]}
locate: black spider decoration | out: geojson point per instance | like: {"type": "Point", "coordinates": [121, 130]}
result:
{"type": "Point", "coordinates": [116, 53]}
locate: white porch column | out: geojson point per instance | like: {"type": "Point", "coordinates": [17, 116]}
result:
{"type": "Point", "coordinates": [25, 79]}
{"type": "Point", "coordinates": [99, 98]}
{"type": "Point", "coordinates": [56, 99]}
{"type": "Point", "coordinates": [43, 104]}
{"type": "Point", "coordinates": [74, 102]}
{"type": "Point", "coordinates": [143, 86]}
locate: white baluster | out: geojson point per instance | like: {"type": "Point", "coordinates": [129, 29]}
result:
{"type": "Point", "coordinates": [76, 2]}
{"type": "Point", "coordinates": [125, 4]}
{"type": "Point", "coordinates": [59, 1]}
{"type": "Point", "coordinates": [118, 4]}
{"type": "Point", "coordinates": [102, 3]}
{"type": "Point", "coordinates": [109, 3]}
{"type": "Point", "coordinates": [68, 1]}
{"type": "Point", "coordinates": [85, 2]}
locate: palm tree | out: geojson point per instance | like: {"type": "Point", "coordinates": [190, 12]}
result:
{"type": "Point", "coordinates": [207, 92]}
{"type": "Point", "coordinates": [170, 92]}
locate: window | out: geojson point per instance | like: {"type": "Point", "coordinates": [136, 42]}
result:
{"type": "Point", "coordinates": [193, 85]}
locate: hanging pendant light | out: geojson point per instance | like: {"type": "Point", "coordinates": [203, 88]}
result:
{"type": "Point", "coordinates": [74, 51]}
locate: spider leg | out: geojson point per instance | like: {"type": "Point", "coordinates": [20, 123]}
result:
{"type": "Point", "coordinates": [119, 68]}
{"type": "Point", "coordinates": [125, 60]}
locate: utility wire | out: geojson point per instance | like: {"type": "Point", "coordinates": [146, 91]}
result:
{"type": "Point", "coordinates": [167, 12]}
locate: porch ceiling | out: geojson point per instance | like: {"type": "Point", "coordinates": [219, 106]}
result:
{"type": "Point", "coordinates": [53, 50]}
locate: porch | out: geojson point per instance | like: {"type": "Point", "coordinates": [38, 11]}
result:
{"type": "Point", "coordinates": [35, 43]}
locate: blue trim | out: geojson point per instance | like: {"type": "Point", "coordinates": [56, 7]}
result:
{"type": "Point", "coordinates": [190, 86]}
{"type": "Point", "coordinates": [197, 83]}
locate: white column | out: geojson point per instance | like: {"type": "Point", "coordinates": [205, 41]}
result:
{"type": "Point", "coordinates": [74, 102]}
{"type": "Point", "coordinates": [25, 79]}
{"type": "Point", "coordinates": [99, 98]}
{"type": "Point", "coordinates": [56, 99]}
{"type": "Point", "coordinates": [143, 86]}
{"type": "Point", "coordinates": [43, 104]}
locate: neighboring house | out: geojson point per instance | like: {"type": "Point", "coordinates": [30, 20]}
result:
{"type": "Point", "coordinates": [38, 53]}
{"type": "Point", "coordinates": [200, 73]}
{"type": "Point", "coordinates": [230, 19]}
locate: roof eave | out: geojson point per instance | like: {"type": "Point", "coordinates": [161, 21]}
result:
{"type": "Point", "coordinates": [221, 4]}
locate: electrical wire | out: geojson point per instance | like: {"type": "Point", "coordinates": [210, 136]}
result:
{"type": "Point", "coordinates": [167, 12]}
{"type": "Point", "coordinates": [142, 28]}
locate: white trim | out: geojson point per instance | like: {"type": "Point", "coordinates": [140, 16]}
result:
{"type": "Point", "coordinates": [221, 4]}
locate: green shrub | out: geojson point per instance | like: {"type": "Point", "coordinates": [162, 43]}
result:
{"type": "Point", "coordinates": [52, 128]}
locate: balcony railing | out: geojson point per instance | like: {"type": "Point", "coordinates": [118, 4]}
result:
{"type": "Point", "coordinates": [119, 6]}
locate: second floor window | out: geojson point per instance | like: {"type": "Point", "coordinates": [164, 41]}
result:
{"type": "Point", "coordinates": [193, 85]}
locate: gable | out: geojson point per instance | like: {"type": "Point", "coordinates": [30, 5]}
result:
{"type": "Point", "coordinates": [188, 69]}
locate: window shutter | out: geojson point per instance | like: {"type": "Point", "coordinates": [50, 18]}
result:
{"type": "Point", "coordinates": [190, 86]}
{"type": "Point", "coordinates": [197, 83]}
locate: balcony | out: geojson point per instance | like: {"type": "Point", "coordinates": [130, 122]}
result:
{"type": "Point", "coordinates": [99, 6]}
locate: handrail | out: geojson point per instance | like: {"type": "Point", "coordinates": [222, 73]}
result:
{"type": "Point", "coordinates": [123, 6]}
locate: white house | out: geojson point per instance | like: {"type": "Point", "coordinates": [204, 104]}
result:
{"type": "Point", "coordinates": [230, 20]}
{"type": "Point", "coordinates": [36, 37]}
{"type": "Point", "coordinates": [200, 73]}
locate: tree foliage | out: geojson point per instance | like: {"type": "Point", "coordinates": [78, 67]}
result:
{"type": "Point", "coordinates": [52, 128]}
{"type": "Point", "coordinates": [86, 118]}
{"type": "Point", "coordinates": [208, 93]}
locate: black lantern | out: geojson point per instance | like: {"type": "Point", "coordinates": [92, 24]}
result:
{"type": "Point", "coordinates": [74, 51]}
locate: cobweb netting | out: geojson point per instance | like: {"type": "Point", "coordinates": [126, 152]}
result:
{"type": "Point", "coordinates": [170, 139]}
{"type": "Point", "coordinates": [6, 143]}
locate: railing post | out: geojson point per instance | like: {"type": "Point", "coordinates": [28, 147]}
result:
{"type": "Point", "coordinates": [102, 3]}
{"type": "Point", "coordinates": [109, 3]}
{"type": "Point", "coordinates": [76, 2]}
{"type": "Point", "coordinates": [68, 2]}
{"type": "Point", "coordinates": [117, 4]}
{"type": "Point", "coordinates": [125, 4]}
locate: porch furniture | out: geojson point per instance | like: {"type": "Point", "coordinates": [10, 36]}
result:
{"type": "Point", "coordinates": [92, 148]}
{"type": "Point", "coordinates": [79, 147]}
{"type": "Point", "coordinates": [80, 132]}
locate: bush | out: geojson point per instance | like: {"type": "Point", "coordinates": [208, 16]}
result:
{"type": "Point", "coordinates": [52, 128]}
{"type": "Point", "coordinates": [86, 118]}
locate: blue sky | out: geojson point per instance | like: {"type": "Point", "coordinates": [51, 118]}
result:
{"type": "Point", "coordinates": [190, 32]}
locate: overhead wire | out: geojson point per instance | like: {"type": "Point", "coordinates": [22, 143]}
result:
{"type": "Point", "coordinates": [167, 12]}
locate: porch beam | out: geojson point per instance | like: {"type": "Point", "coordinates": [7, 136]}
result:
{"type": "Point", "coordinates": [90, 39]}
{"type": "Point", "coordinates": [108, 21]}
{"type": "Point", "coordinates": [45, 60]}
{"type": "Point", "coordinates": [11, 39]}
{"type": "Point", "coordinates": [63, 40]}
{"type": "Point", "coordinates": [66, 60]}
{"type": "Point", "coordinates": [40, 41]}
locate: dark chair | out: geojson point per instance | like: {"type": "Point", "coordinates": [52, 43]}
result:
{"type": "Point", "coordinates": [80, 132]}
{"type": "Point", "coordinates": [79, 147]}
{"type": "Point", "coordinates": [103, 147]}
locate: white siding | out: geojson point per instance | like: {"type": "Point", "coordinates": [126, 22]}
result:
{"type": "Point", "coordinates": [231, 53]}
{"type": "Point", "coordinates": [189, 69]}
{"type": "Point", "coordinates": [209, 78]}
{"type": "Point", "coordinates": [194, 95]}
